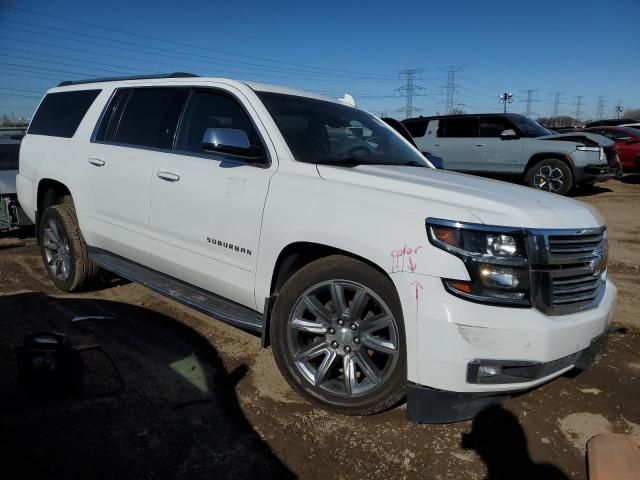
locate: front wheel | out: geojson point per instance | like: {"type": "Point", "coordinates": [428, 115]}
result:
{"type": "Point", "coordinates": [338, 336]}
{"type": "Point", "coordinates": [550, 175]}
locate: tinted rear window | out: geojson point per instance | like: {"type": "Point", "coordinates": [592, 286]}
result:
{"type": "Point", "coordinates": [150, 117]}
{"type": "Point", "coordinates": [417, 128]}
{"type": "Point", "coordinates": [60, 113]}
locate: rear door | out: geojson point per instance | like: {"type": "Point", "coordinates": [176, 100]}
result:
{"type": "Point", "coordinates": [456, 142]}
{"type": "Point", "coordinates": [136, 130]}
{"type": "Point", "coordinates": [206, 208]}
{"type": "Point", "coordinates": [498, 155]}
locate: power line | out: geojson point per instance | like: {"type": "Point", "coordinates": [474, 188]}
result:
{"type": "Point", "coordinates": [600, 107]}
{"type": "Point", "coordinates": [556, 104]}
{"type": "Point", "coordinates": [318, 69]}
{"type": "Point", "coordinates": [410, 89]}
{"type": "Point", "coordinates": [578, 105]}
{"type": "Point", "coordinates": [450, 86]}
{"type": "Point", "coordinates": [529, 100]}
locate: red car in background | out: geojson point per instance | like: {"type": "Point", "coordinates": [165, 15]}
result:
{"type": "Point", "coordinates": [627, 143]}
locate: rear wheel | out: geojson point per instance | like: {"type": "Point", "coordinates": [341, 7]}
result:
{"type": "Point", "coordinates": [338, 336]}
{"type": "Point", "coordinates": [63, 249]}
{"type": "Point", "coordinates": [551, 175]}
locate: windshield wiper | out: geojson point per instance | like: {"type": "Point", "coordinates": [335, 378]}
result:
{"type": "Point", "coordinates": [411, 163]}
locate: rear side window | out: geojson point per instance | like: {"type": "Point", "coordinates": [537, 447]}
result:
{"type": "Point", "coordinates": [145, 117]}
{"type": "Point", "coordinates": [417, 128]}
{"type": "Point", "coordinates": [463, 127]}
{"type": "Point", "coordinates": [60, 113]}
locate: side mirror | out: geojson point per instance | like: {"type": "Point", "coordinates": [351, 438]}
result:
{"type": "Point", "coordinates": [508, 134]}
{"type": "Point", "coordinates": [230, 141]}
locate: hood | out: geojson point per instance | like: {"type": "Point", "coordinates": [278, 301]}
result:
{"type": "Point", "coordinates": [586, 138]}
{"type": "Point", "coordinates": [492, 202]}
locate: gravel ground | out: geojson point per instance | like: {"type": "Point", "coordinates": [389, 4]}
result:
{"type": "Point", "coordinates": [201, 399]}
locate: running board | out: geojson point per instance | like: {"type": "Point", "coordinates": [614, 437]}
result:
{"type": "Point", "coordinates": [194, 297]}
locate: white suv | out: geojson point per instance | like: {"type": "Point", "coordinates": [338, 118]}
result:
{"type": "Point", "coordinates": [372, 275]}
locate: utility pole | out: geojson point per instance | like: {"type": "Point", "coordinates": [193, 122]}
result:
{"type": "Point", "coordinates": [529, 100]}
{"type": "Point", "coordinates": [600, 108]}
{"type": "Point", "coordinates": [450, 86]}
{"type": "Point", "coordinates": [578, 106]}
{"type": "Point", "coordinates": [556, 104]}
{"type": "Point", "coordinates": [619, 108]}
{"type": "Point", "coordinates": [410, 90]}
{"type": "Point", "coordinates": [505, 98]}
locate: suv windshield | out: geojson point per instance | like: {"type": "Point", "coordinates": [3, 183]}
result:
{"type": "Point", "coordinates": [530, 128]}
{"type": "Point", "coordinates": [319, 131]}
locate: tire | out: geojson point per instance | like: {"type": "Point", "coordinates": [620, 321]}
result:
{"type": "Point", "coordinates": [64, 250]}
{"type": "Point", "coordinates": [551, 175]}
{"type": "Point", "coordinates": [304, 319]}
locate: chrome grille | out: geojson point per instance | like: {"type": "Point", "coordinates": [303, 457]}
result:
{"type": "Point", "coordinates": [574, 244]}
{"type": "Point", "coordinates": [568, 269]}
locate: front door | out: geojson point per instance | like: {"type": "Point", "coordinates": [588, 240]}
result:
{"type": "Point", "coordinates": [497, 154]}
{"type": "Point", "coordinates": [206, 208]}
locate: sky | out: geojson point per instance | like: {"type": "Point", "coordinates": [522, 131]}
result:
{"type": "Point", "coordinates": [578, 48]}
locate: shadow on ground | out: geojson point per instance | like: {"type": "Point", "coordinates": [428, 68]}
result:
{"type": "Point", "coordinates": [178, 415]}
{"type": "Point", "coordinates": [500, 441]}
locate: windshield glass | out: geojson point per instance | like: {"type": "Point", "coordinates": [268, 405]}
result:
{"type": "Point", "coordinates": [318, 131]}
{"type": "Point", "coordinates": [529, 127]}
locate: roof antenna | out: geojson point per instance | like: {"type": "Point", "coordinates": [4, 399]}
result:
{"type": "Point", "coordinates": [348, 100]}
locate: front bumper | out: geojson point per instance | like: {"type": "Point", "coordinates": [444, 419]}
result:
{"type": "Point", "coordinates": [446, 335]}
{"type": "Point", "coordinates": [596, 173]}
{"type": "Point", "coordinates": [428, 405]}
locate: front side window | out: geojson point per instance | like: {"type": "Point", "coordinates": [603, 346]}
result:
{"type": "Point", "coordinates": [529, 128]}
{"type": "Point", "coordinates": [60, 114]}
{"type": "Point", "coordinates": [211, 110]}
{"type": "Point", "coordinates": [150, 117]}
{"type": "Point", "coordinates": [320, 131]}
{"type": "Point", "coordinates": [461, 127]}
{"type": "Point", "coordinates": [491, 127]}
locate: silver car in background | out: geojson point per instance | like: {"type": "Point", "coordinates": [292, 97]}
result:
{"type": "Point", "coordinates": [512, 146]}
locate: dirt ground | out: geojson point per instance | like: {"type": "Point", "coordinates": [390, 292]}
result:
{"type": "Point", "coordinates": [201, 399]}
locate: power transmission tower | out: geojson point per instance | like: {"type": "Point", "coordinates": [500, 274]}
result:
{"type": "Point", "coordinates": [578, 106]}
{"type": "Point", "coordinates": [505, 98]}
{"type": "Point", "coordinates": [450, 86]}
{"type": "Point", "coordinates": [410, 90]}
{"type": "Point", "coordinates": [529, 100]}
{"type": "Point", "coordinates": [600, 108]}
{"type": "Point", "coordinates": [619, 108]}
{"type": "Point", "coordinates": [556, 104]}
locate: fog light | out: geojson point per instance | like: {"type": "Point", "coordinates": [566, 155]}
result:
{"type": "Point", "coordinates": [489, 371]}
{"type": "Point", "coordinates": [496, 276]}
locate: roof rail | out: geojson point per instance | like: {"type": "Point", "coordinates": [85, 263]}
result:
{"type": "Point", "coordinates": [134, 77]}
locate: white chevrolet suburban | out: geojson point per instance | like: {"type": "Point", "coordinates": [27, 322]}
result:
{"type": "Point", "coordinates": [372, 275]}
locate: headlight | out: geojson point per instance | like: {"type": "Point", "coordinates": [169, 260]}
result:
{"type": "Point", "coordinates": [584, 148]}
{"type": "Point", "coordinates": [495, 257]}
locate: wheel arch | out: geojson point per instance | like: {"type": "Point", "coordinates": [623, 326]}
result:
{"type": "Point", "coordinates": [50, 192]}
{"type": "Point", "coordinates": [296, 255]}
{"type": "Point", "coordinates": [291, 259]}
{"type": "Point", "coordinates": [536, 157]}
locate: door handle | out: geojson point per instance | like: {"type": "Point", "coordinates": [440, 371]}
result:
{"type": "Point", "coordinates": [168, 176]}
{"type": "Point", "coordinates": [98, 162]}
{"type": "Point", "coordinates": [481, 144]}
{"type": "Point", "coordinates": [437, 144]}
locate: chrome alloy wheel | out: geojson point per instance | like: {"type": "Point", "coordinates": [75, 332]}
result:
{"type": "Point", "coordinates": [56, 249]}
{"type": "Point", "coordinates": [549, 178]}
{"type": "Point", "coordinates": [343, 338]}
